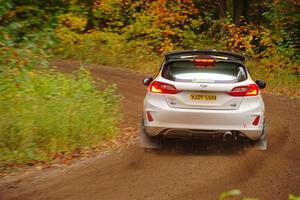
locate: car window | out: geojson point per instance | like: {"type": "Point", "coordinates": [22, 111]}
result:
{"type": "Point", "coordinates": [189, 71]}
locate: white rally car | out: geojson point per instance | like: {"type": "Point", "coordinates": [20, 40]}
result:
{"type": "Point", "coordinates": [202, 93]}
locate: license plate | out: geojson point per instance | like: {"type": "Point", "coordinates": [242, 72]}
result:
{"type": "Point", "coordinates": [203, 97]}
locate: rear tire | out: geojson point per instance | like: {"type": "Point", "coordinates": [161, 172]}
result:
{"type": "Point", "coordinates": [146, 141]}
{"type": "Point", "coordinates": [261, 143]}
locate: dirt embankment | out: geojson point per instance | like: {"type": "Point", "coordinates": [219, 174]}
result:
{"type": "Point", "coordinates": [182, 170]}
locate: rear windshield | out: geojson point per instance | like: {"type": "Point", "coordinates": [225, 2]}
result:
{"type": "Point", "coordinates": [218, 72]}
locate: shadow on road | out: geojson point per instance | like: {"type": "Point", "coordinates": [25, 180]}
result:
{"type": "Point", "coordinates": [200, 147]}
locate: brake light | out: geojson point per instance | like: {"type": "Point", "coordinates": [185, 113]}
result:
{"type": "Point", "coordinates": [164, 88]}
{"type": "Point", "coordinates": [202, 60]}
{"type": "Point", "coordinates": [245, 90]}
{"type": "Point", "coordinates": [256, 120]}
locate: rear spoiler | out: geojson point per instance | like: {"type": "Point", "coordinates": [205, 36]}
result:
{"type": "Point", "coordinates": [225, 55]}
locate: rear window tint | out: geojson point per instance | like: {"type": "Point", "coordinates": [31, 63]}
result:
{"type": "Point", "coordinates": [188, 71]}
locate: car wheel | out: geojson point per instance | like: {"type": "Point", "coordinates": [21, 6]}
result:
{"type": "Point", "coordinates": [261, 143]}
{"type": "Point", "coordinates": [263, 139]}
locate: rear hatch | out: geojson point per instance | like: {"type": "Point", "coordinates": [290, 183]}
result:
{"type": "Point", "coordinates": [203, 83]}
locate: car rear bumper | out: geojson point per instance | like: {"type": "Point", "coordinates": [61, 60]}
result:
{"type": "Point", "coordinates": [185, 132]}
{"type": "Point", "coordinates": [167, 120]}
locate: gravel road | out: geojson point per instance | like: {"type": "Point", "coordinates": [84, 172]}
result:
{"type": "Point", "coordinates": [183, 170]}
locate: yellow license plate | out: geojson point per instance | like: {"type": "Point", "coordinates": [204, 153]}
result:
{"type": "Point", "coordinates": [203, 97]}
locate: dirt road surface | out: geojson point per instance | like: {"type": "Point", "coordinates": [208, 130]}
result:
{"type": "Point", "coordinates": [181, 171]}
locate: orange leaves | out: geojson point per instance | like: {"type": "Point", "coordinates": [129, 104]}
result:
{"type": "Point", "coordinates": [168, 32]}
{"type": "Point", "coordinates": [248, 38]}
{"type": "Point", "coordinates": [10, 14]}
{"type": "Point", "coordinates": [97, 4]}
{"type": "Point", "coordinates": [15, 55]}
{"type": "Point", "coordinates": [165, 19]}
{"type": "Point", "coordinates": [162, 24]}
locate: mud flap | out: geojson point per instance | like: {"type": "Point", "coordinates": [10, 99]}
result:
{"type": "Point", "coordinates": [146, 141]}
{"type": "Point", "coordinates": [260, 144]}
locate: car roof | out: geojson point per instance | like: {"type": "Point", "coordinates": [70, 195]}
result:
{"type": "Point", "coordinates": [201, 53]}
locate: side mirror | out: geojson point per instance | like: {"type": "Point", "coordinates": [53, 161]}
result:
{"type": "Point", "coordinates": [147, 81]}
{"type": "Point", "coordinates": [261, 84]}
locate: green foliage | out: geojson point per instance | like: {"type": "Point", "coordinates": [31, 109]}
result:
{"type": "Point", "coordinates": [51, 112]}
{"type": "Point", "coordinates": [110, 49]}
{"type": "Point", "coordinates": [43, 112]}
{"type": "Point", "coordinates": [284, 15]}
{"type": "Point", "coordinates": [293, 197]}
{"type": "Point", "coordinates": [234, 192]}
{"type": "Point", "coordinates": [237, 193]}
{"type": "Point", "coordinates": [279, 82]}
{"type": "Point", "coordinates": [22, 20]}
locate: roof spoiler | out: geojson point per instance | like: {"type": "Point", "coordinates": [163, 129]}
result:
{"type": "Point", "coordinates": [227, 55]}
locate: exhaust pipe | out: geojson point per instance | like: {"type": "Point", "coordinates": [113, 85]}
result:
{"type": "Point", "coordinates": [229, 136]}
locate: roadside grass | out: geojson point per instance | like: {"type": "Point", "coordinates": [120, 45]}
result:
{"type": "Point", "coordinates": [279, 82]}
{"type": "Point", "coordinates": [112, 53]}
{"type": "Point", "coordinates": [60, 113]}
{"type": "Point", "coordinates": [44, 112]}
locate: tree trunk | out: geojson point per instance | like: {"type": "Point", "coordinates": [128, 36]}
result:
{"type": "Point", "coordinates": [222, 9]}
{"type": "Point", "coordinates": [239, 10]}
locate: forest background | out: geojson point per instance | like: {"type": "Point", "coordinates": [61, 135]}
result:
{"type": "Point", "coordinates": [135, 34]}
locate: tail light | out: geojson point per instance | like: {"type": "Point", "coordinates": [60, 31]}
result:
{"type": "Point", "coordinates": [245, 90]}
{"type": "Point", "coordinates": [163, 88]}
{"type": "Point", "coordinates": [256, 120]}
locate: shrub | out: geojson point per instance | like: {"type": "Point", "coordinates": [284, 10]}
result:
{"type": "Point", "coordinates": [43, 112]}
{"type": "Point", "coordinates": [108, 48]}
